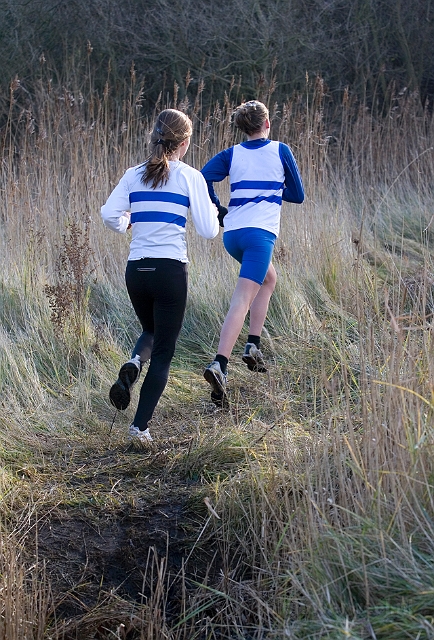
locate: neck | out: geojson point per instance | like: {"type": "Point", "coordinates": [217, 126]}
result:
{"type": "Point", "coordinates": [262, 134]}
{"type": "Point", "coordinates": [257, 137]}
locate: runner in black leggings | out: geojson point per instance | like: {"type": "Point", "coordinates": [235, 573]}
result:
{"type": "Point", "coordinates": [158, 291]}
{"type": "Point", "coordinates": [154, 199]}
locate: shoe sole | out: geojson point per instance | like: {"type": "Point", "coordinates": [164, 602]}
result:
{"type": "Point", "coordinates": [253, 365]}
{"type": "Point", "coordinates": [212, 379]}
{"type": "Point", "coordinates": [119, 394]}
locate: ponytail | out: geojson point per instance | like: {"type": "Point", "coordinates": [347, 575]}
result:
{"type": "Point", "coordinates": [170, 129]}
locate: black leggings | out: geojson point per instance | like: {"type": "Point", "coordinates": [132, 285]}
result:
{"type": "Point", "coordinates": [158, 292]}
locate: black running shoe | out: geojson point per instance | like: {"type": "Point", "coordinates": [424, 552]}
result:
{"type": "Point", "coordinates": [120, 393]}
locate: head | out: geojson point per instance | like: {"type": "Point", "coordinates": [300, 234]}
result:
{"type": "Point", "coordinates": [251, 117]}
{"type": "Point", "coordinates": [170, 139]}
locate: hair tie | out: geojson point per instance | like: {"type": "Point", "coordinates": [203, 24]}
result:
{"type": "Point", "coordinates": [160, 141]}
{"type": "Point", "coordinates": [159, 130]}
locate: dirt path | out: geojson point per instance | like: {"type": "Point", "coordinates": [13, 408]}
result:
{"type": "Point", "coordinates": [114, 524]}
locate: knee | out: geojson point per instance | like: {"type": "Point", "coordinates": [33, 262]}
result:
{"type": "Point", "coordinates": [270, 279]}
{"type": "Point", "coordinates": [240, 305]}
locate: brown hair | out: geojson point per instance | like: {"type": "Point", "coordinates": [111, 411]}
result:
{"type": "Point", "coordinates": [170, 129]}
{"type": "Point", "coordinates": [250, 116]}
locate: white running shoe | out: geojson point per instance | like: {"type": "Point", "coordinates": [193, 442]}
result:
{"type": "Point", "coordinates": [218, 381]}
{"type": "Point", "coordinates": [253, 358]}
{"type": "Point", "coordinates": [143, 436]}
{"type": "Point", "coordinates": [216, 378]}
{"type": "Point", "coordinates": [120, 393]}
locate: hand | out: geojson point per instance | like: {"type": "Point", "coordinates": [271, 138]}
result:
{"type": "Point", "coordinates": [222, 211]}
{"type": "Point", "coordinates": [127, 214]}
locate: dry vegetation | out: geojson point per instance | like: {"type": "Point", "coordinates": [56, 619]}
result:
{"type": "Point", "coordinates": [306, 511]}
{"type": "Point", "coordinates": [376, 47]}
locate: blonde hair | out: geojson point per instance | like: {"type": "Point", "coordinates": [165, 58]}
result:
{"type": "Point", "coordinates": [170, 129]}
{"type": "Point", "coordinates": [250, 116]}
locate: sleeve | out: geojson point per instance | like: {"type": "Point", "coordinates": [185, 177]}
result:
{"type": "Point", "coordinates": [115, 211]}
{"type": "Point", "coordinates": [293, 191]}
{"type": "Point", "coordinates": [203, 212]}
{"type": "Point", "coordinates": [216, 170]}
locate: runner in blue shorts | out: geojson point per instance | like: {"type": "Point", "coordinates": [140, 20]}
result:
{"type": "Point", "coordinates": [262, 173]}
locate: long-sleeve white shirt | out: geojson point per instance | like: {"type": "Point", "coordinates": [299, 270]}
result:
{"type": "Point", "coordinates": [158, 216]}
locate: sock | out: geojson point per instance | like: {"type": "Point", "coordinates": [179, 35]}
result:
{"type": "Point", "coordinates": [223, 362]}
{"type": "Point", "coordinates": [256, 340]}
{"type": "Point", "coordinates": [140, 363]}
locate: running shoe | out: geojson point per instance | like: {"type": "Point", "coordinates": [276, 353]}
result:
{"type": "Point", "coordinates": [253, 358]}
{"type": "Point", "coordinates": [120, 393]}
{"type": "Point", "coordinates": [216, 378]}
{"type": "Point", "coordinates": [143, 436]}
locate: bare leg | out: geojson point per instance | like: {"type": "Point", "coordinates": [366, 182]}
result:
{"type": "Point", "coordinates": [242, 298]}
{"type": "Point", "coordinates": [259, 306]}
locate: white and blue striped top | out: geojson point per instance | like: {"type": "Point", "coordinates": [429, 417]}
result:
{"type": "Point", "coordinates": [158, 216]}
{"type": "Point", "coordinates": [262, 173]}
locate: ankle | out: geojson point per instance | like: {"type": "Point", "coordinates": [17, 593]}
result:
{"type": "Point", "coordinates": [223, 361]}
{"type": "Point", "coordinates": [256, 340]}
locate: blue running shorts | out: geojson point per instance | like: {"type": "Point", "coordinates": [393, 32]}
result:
{"type": "Point", "coordinates": [252, 248]}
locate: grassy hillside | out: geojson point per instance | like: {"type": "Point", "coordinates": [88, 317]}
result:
{"type": "Point", "coordinates": [306, 510]}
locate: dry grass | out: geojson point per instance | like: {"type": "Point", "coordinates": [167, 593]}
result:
{"type": "Point", "coordinates": [26, 599]}
{"type": "Point", "coordinates": [303, 512]}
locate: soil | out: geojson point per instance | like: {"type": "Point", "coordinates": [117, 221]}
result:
{"type": "Point", "coordinates": [119, 517]}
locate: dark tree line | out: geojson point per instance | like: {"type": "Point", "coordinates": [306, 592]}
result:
{"type": "Point", "coordinates": [374, 47]}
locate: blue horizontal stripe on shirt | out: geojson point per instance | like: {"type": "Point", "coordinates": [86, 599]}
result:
{"type": "Point", "coordinates": [157, 216]}
{"type": "Point", "coordinates": [257, 184]}
{"type": "Point", "coordinates": [239, 202]}
{"type": "Point", "coordinates": [159, 196]}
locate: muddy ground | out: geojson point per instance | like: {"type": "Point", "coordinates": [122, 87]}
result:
{"type": "Point", "coordinates": [112, 521]}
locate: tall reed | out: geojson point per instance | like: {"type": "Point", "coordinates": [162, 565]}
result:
{"type": "Point", "coordinates": [329, 495]}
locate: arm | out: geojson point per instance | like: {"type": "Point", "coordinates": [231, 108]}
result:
{"type": "Point", "coordinates": [114, 211]}
{"type": "Point", "coordinates": [216, 170]}
{"type": "Point", "coordinates": [203, 212]}
{"type": "Point", "coordinates": [293, 191]}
